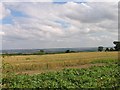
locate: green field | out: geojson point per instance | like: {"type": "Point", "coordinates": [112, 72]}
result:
{"type": "Point", "coordinates": [71, 70]}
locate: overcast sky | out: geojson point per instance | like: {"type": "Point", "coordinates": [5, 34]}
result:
{"type": "Point", "coordinates": [56, 25]}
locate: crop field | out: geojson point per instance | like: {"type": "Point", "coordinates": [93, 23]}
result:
{"type": "Point", "coordinates": [94, 77]}
{"type": "Point", "coordinates": [69, 70]}
{"type": "Point", "coordinates": [37, 63]}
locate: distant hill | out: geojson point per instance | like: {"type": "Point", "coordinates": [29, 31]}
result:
{"type": "Point", "coordinates": [49, 50]}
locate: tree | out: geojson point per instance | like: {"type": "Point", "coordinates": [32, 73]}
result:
{"type": "Point", "coordinates": [107, 49]}
{"type": "Point", "coordinates": [41, 50]}
{"type": "Point", "coordinates": [100, 48]}
{"type": "Point", "coordinates": [67, 51]}
{"type": "Point", "coordinates": [111, 49]}
{"type": "Point", "coordinates": [117, 47]}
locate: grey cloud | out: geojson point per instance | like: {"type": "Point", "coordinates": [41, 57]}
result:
{"type": "Point", "coordinates": [96, 13]}
{"type": "Point", "coordinates": [92, 22]}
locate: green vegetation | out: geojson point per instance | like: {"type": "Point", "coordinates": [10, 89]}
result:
{"type": "Point", "coordinates": [115, 48]}
{"type": "Point", "coordinates": [100, 48]}
{"type": "Point", "coordinates": [37, 53]}
{"type": "Point", "coordinates": [94, 77]}
{"type": "Point", "coordinates": [117, 45]}
{"type": "Point", "coordinates": [64, 71]}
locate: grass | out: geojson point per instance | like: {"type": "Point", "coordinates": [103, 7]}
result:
{"type": "Point", "coordinates": [39, 63]}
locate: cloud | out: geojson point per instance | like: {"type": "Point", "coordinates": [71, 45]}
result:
{"type": "Point", "coordinates": [102, 0]}
{"type": "Point", "coordinates": [3, 11]}
{"type": "Point", "coordinates": [26, 0]}
{"type": "Point", "coordinates": [61, 25]}
{"type": "Point", "coordinates": [2, 33]}
{"type": "Point", "coordinates": [95, 13]}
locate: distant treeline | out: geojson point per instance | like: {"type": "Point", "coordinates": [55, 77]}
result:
{"type": "Point", "coordinates": [116, 48]}
{"type": "Point", "coordinates": [41, 52]}
{"type": "Point", "coordinates": [44, 52]}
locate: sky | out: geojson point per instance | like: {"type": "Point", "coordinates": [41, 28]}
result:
{"type": "Point", "coordinates": [54, 24]}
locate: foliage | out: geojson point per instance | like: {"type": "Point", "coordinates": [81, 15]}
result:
{"type": "Point", "coordinates": [67, 51]}
{"type": "Point", "coordinates": [111, 49]}
{"type": "Point", "coordinates": [94, 77]}
{"type": "Point", "coordinates": [107, 49]}
{"type": "Point", "coordinates": [117, 47]}
{"type": "Point", "coordinates": [100, 48]}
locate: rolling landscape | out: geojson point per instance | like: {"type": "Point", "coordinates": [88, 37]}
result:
{"type": "Point", "coordinates": [60, 45]}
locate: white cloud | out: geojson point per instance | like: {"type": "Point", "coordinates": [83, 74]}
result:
{"type": "Point", "coordinates": [102, 0]}
{"type": "Point", "coordinates": [3, 11]}
{"type": "Point", "coordinates": [2, 33]}
{"type": "Point", "coordinates": [26, 1]}
{"type": "Point", "coordinates": [62, 25]}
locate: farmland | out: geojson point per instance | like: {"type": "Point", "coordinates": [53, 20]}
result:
{"type": "Point", "coordinates": [71, 70]}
